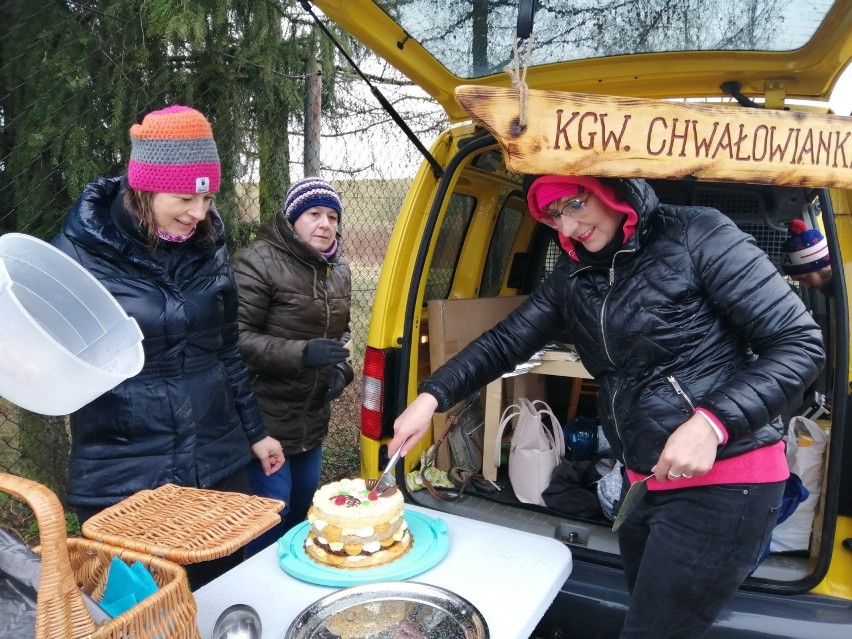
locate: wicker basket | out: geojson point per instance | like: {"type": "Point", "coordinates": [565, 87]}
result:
{"type": "Point", "coordinates": [184, 525]}
{"type": "Point", "coordinates": [68, 565]}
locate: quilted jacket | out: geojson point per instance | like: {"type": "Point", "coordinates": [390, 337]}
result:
{"type": "Point", "coordinates": [189, 416]}
{"type": "Point", "coordinates": [690, 313]}
{"type": "Point", "coordinates": [289, 294]}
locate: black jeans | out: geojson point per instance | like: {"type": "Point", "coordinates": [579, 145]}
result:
{"type": "Point", "coordinates": [202, 572]}
{"type": "Point", "coordinates": [686, 552]}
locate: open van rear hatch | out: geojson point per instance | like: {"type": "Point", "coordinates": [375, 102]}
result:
{"type": "Point", "coordinates": [639, 48]}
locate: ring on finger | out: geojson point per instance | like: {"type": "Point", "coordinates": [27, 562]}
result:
{"type": "Point", "coordinates": [673, 475]}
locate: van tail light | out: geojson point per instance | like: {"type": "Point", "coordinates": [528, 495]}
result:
{"type": "Point", "coordinates": [372, 393]}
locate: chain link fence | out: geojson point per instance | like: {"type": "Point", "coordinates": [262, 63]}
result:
{"type": "Point", "coordinates": [75, 76]}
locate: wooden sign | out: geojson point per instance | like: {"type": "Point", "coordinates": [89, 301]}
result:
{"type": "Point", "coordinates": [582, 134]}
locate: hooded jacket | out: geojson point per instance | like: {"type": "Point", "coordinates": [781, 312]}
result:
{"type": "Point", "coordinates": [289, 294]}
{"type": "Point", "coordinates": [690, 313]}
{"type": "Point", "coordinates": [189, 416]}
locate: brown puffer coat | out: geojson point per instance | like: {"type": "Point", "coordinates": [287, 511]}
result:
{"type": "Point", "coordinates": [289, 294]}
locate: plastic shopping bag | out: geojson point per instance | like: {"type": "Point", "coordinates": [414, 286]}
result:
{"type": "Point", "coordinates": [805, 454]}
{"type": "Point", "coordinates": [19, 574]}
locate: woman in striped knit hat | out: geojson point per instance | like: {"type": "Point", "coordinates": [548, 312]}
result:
{"type": "Point", "coordinates": [154, 239]}
{"type": "Point", "coordinates": [295, 288]}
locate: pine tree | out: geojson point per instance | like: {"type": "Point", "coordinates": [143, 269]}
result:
{"type": "Point", "coordinates": [74, 77]}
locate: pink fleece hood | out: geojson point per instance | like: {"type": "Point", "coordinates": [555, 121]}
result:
{"type": "Point", "coordinates": [549, 188]}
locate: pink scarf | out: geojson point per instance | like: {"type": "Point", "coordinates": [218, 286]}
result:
{"type": "Point", "coordinates": [168, 237]}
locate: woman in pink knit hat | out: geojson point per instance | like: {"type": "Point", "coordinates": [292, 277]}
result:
{"type": "Point", "coordinates": [154, 239]}
{"type": "Point", "coordinates": [697, 344]}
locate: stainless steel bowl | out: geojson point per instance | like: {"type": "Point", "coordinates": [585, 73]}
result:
{"type": "Point", "coordinates": [390, 610]}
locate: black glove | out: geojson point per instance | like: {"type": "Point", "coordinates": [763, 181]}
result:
{"type": "Point", "coordinates": [323, 352]}
{"type": "Point", "coordinates": [335, 389]}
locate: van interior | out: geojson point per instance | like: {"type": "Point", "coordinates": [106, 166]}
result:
{"type": "Point", "coordinates": [489, 246]}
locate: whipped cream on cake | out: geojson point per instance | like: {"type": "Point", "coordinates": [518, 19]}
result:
{"type": "Point", "coordinates": [355, 526]}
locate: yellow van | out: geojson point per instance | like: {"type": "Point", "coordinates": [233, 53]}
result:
{"type": "Point", "coordinates": [465, 249]}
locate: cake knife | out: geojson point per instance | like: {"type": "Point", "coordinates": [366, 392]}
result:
{"type": "Point", "coordinates": [382, 482]}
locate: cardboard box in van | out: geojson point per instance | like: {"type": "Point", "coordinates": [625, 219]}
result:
{"type": "Point", "coordinates": [453, 324]}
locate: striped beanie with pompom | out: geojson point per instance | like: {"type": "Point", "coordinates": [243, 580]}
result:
{"type": "Point", "coordinates": [308, 192]}
{"type": "Point", "coordinates": [173, 151]}
{"type": "Point", "coordinates": [804, 251]}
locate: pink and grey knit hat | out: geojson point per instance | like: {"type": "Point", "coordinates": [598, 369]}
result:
{"type": "Point", "coordinates": [173, 151]}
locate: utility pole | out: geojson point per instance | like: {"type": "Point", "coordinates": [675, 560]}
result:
{"type": "Point", "coordinates": [313, 115]}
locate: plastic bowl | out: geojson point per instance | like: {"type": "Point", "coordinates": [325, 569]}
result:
{"type": "Point", "coordinates": [64, 340]}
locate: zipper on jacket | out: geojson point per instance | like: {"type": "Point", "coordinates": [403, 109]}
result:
{"type": "Point", "coordinates": [316, 296]}
{"type": "Point", "coordinates": [611, 277]}
{"type": "Point", "coordinates": [679, 390]}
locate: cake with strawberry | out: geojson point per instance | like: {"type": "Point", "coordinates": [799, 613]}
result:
{"type": "Point", "coordinates": [354, 525]}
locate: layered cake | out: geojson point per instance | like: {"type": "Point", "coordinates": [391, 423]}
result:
{"type": "Point", "coordinates": [355, 526]}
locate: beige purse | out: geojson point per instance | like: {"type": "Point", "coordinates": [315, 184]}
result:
{"type": "Point", "coordinates": [536, 448]}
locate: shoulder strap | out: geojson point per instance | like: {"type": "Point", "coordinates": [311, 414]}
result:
{"type": "Point", "coordinates": [435, 492]}
{"type": "Point", "coordinates": [454, 417]}
{"type": "Point", "coordinates": [555, 426]}
{"type": "Point", "coordinates": [511, 411]}
{"type": "Point", "coordinates": [451, 422]}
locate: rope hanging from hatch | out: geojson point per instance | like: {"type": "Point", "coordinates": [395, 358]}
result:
{"type": "Point", "coordinates": [518, 74]}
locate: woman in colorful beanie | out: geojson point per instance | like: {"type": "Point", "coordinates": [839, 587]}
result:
{"type": "Point", "coordinates": [294, 287]}
{"type": "Point", "coordinates": [662, 303]}
{"type": "Point", "coordinates": [154, 239]}
{"type": "Point", "coordinates": [805, 258]}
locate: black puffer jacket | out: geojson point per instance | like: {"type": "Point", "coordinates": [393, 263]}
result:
{"type": "Point", "coordinates": [189, 417]}
{"type": "Point", "coordinates": [687, 304]}
{"type": "Point", "coordinates": [289, 294]}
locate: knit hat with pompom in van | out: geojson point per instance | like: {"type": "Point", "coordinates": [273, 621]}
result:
{"type": "Point", "coordinates": [804, 251]}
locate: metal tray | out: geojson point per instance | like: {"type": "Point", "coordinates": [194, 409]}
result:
{"type": "Point", "coordinates": [390, 610]}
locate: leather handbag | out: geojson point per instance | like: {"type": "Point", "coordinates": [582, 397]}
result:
{"type": "Point", "coordinates": [537, 446]}
{"type": "Point", "coordinates": [466, 438]}
{"type": "Point", "coordinates": [464, 434]}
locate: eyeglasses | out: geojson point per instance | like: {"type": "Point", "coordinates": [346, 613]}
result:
{"type": "Point", "coordinates": [572, 209]}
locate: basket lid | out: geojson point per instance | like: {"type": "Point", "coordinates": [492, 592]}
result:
{"type": "Point", "coordinates": [184, 525]}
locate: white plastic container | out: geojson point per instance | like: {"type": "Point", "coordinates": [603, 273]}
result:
{"type": "Point", "coordinates": [64, 340]}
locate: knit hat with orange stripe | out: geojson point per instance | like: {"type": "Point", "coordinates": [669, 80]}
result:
{"type": "Point", "coordinates": [173, 151]}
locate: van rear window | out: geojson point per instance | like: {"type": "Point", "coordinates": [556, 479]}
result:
{"type": "Point", "coordinates": [502, 239]}
{"type": "Point", "coordinates": [450, 239]}
{"type": "Point", "coordinates": [472, 39]}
